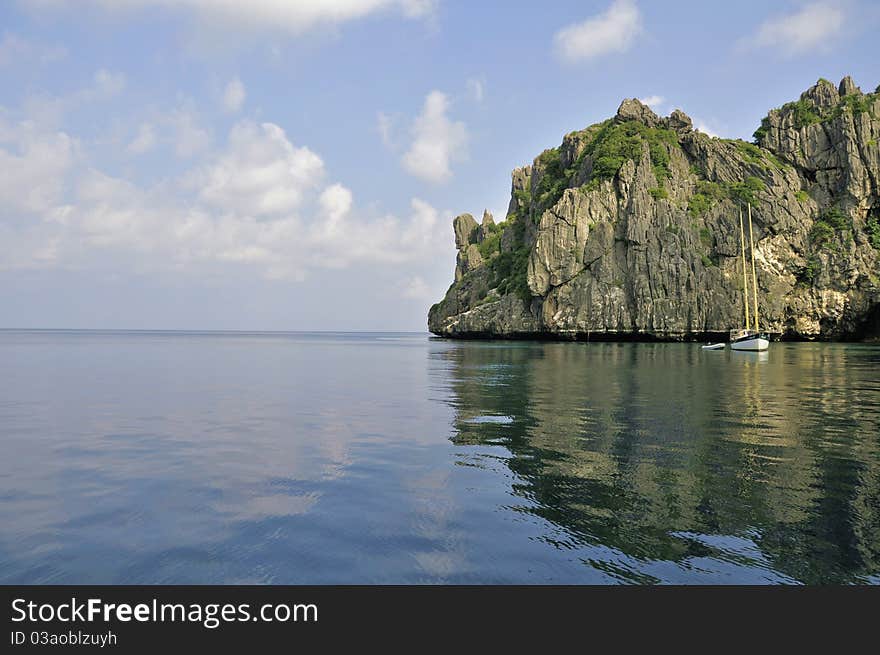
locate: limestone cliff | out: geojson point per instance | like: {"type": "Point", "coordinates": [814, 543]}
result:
{"type": "Point", "coordinates": [630, 228]}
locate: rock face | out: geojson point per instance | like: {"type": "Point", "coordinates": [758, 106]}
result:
{"type": "Point", "coordinates": [630, 229]}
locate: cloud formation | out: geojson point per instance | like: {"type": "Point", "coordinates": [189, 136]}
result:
{"type": "Point", "coordinates": [144, 140]}
{"type": "Point", "coordinates": [189, 135]}
{"type": "Point", "coordinates": [260, 173]}
{"type": "Point", "coordinates": [437, 141]}
{"type": "Point", "coordinates": [653, 102]}
{"type": "Point", "coordinates": [703, 127]}
{"type": "Point", "coordinates": [291, 16]}
{"type": "Point", "coordinates": [34, 165]}
{"type": "Point", "coordinates": [810, 28]}
{"type": "Point", "coordinates": [614, 30]}
{"type": "Point", "coordinates": [258, 202]}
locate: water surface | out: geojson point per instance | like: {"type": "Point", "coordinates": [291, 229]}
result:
{"type": "Point", "coordinates": [172, 457]}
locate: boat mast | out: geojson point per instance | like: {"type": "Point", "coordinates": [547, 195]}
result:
{"type": "Point", "coordinates": [742, 243]}
{"type": "Point", "coordinates": [754, 277]}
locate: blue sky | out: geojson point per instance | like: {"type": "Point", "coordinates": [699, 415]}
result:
{"type": "Point", "coordinates": [282, 164]}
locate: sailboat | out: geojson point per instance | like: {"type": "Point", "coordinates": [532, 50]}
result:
{"type": "Point", "coordinates": [746, 338]}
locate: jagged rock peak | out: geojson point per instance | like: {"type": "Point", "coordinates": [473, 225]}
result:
{"type": "Point", "coordinates": [679, 122]}
{"type": "Point", "coordinates": [488, 219]}
{"type": "Point", "coordinates": [465, 230]}
{"type": "Point", "coordinates": [848, 87]}
{"type": "Point", "coordinates": [633, 110]}
{"type": "Point", "coordinates": [823, 94]}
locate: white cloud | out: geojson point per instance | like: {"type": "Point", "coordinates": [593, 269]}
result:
{"type": "Point", "coordinates": [260, 173]}
{"type": "Point", "coordinates": [234, 96]}
{"type": "Point", "coordinates": [180, 128]}
{"type": "Point", "coordinates": [437, 141]}
{"type": "Point", "coordinates": [810, 28]}
{"type": "Point", "coordinates": [259, 203]}
{"type": "Point", "coordinates": [341, 238]}
{"type": "Point", "coordinates": [477, 90]}
{"type": "Point", "coordinates": [419, 234]}
{"type": "Point", "coordinates": [190, 138]}
{"type": "Point", "coordinates": [144, 140]}
{"type": "Point", "coordinates": [653, 102]}
{"type": "Point", "coordinates": [47, 109]}
{"type": "Point", "coordinates": [34, 165]}
{"type": "Point", "coordinates": [291, 16]}
{"type": "Point", "coordinates": [417, 8]}
{"type": "Point", "coordinates": [335, 202]}
{"type": "Point", "coordinates": [614, 30]}
{"type": "Point", "coordinates": [703, 127]}
{"type": "Point", "coordinates": [24, 52]}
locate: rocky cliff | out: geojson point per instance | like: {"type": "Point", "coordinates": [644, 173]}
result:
{"type": "Point", "coordinates": [630, 229]}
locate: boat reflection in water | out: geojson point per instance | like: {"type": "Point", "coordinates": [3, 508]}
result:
{"type": "Point", "coordinates": [657, 463]}
{"type": "Point", "coordinates": [749, 355]}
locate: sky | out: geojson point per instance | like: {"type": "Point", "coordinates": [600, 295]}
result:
{"type": "Point", "coordinates": [296, 165]}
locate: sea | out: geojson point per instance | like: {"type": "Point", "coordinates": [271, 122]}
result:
{"type": "Point", "coordinates": [153, 457]}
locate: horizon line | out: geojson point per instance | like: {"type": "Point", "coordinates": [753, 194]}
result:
{"type": "Point", "coordinates": [208, 330]}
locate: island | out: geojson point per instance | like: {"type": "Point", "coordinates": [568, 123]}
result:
{"type": "Point", "coordinates": [630, 230]}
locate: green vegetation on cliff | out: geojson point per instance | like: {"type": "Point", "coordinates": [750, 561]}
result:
{"type": "Point", "coordinates": [872, 226]}
{"type": "Point", "coordinates": [857, 104]}
{"type": "Point", "coordinates": [744, 192]}
{"type": "Point", "coordinates": [554, 179]}
{"type": "Point", "coordinates": [523, 196]}
{"type": "Point", "coordinates": [609, 145]}
{"type": "Point", "coordinates": [658, 193]}
{"type": "Point", "coordinates": [616, 143]}
{"type": "Point", "coordinates": [509, 268]}
{"type": "Point", "coordinates": [828, 225]}
{"type": "Point", "coordinates": [810, 272]}
{"type": "Point", "coordinates": [709, 193]}
{"type": "Point", "coordinates": [755, 155]}
{"type": "Point", "coordinates": [805, 111]}
{"type": "Point", "coordinates": [491, 243]}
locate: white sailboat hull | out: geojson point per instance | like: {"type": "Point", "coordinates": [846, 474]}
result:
{"type": "Point", "coordinates": [753, 344]}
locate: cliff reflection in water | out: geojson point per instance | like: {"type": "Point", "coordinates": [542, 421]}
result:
{"type": "Point", "coordinates": [655, 458]}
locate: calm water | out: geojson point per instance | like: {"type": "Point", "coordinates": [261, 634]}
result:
{"type": "Point", "coordinates": [395, 458]}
